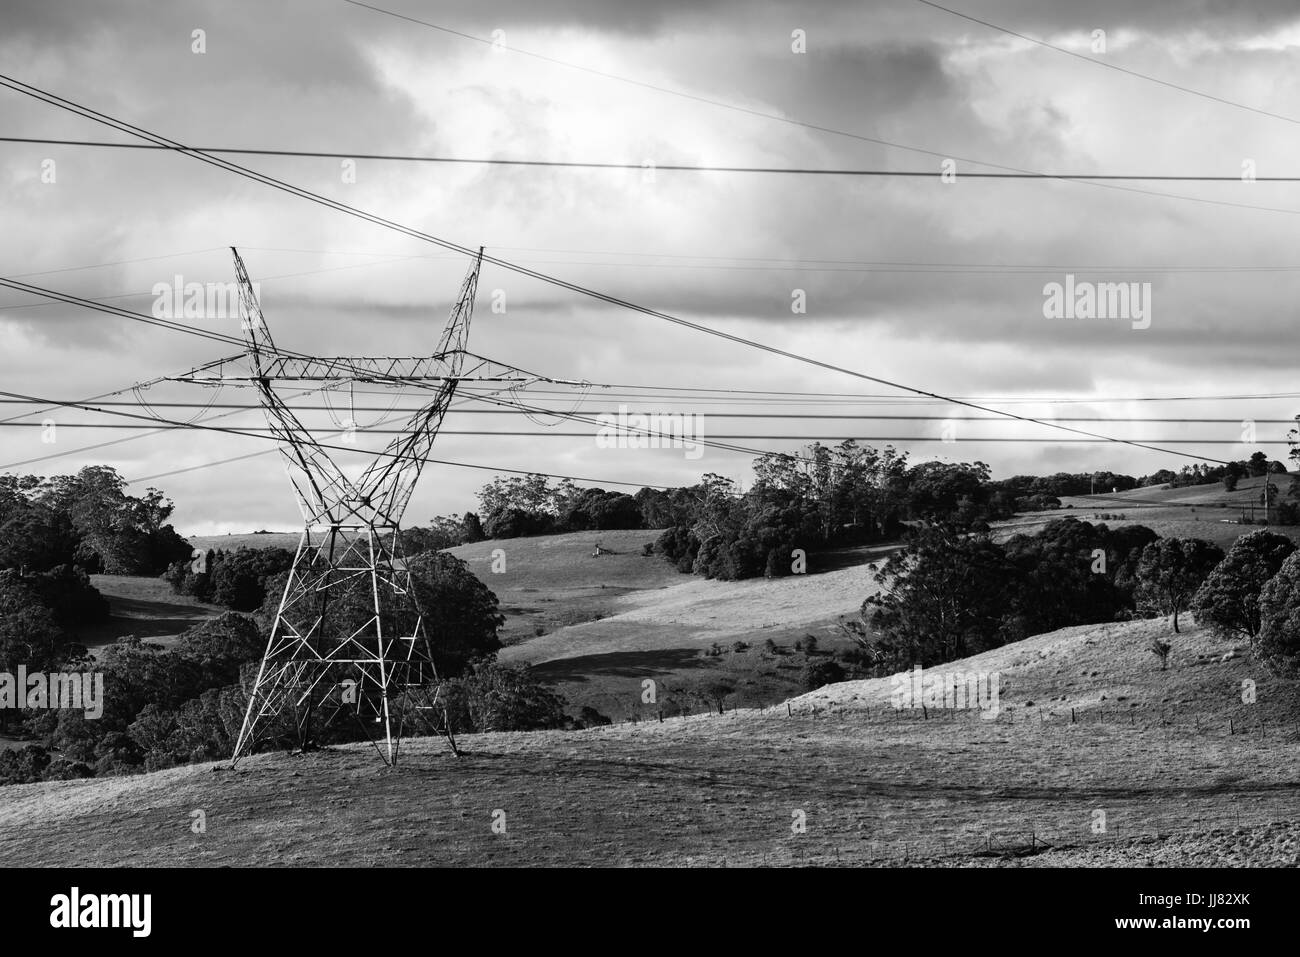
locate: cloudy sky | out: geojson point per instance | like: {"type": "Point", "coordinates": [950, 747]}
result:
{"type": "Point", "coordinates": [931, 284]}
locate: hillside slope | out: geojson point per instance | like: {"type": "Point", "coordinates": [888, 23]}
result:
{"type": "Point", "coordinates": [873, 786]}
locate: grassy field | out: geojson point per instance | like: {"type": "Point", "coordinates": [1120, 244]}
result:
{"type": "Point", "coordinates": [596, 627]}
{"type": "Point", "coordinates": [1149, 749]}
{"type": "Point", "coordinates": [1199, 511]}
{"type": "Point", "coordinates": [144, 607]}
{"type": "Point", "coordinates": [554, 581]}
{"type": "Point", "coordinates": [235, 540]}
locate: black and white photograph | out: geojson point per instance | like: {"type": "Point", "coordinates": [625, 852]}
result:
{"type": "Point", "coordinates": [808, 436]}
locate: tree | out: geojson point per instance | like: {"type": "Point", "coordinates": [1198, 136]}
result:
{"type": "Point", "coordinates": [944, 597]}
{"type": "Point", "coordinates": [118, 533]}
{"type": "Point", "coordinates": [1228, 600]}
{"type": "Point", "coordinates": [517, 523]}
{"type": "Point", "coordinates": [1171, 570]}
{"type": "Point", "coordinates": [1267, 498]}
{"type": "Point", "coordinates": [1073, 572]}
{"type": "Point", "coordinates": [472, 528]}
{"type": "Point", "coordinates": [1257, 464]}
{"type": "Point", "coordinates": [1162, 477]}
{"type": "Point", "coordinates": [67, 592]}
{"type": "Point", "coordinates": [461, 614]}
{"type": "Point", "coordinates": [938, 489]}
{"type": "Point", "coordinates": [1278, 644]}
{"type": "Point", "coordinates": [595, 508]}
{"type": "Point", "coordinates": [1230, 482]}
{"type": "Point", "coordinates": [239, 578]}
{"type": "Point", "coordinates": [35, 537]}
{"type": "Point", "coordinates": [34, 610]}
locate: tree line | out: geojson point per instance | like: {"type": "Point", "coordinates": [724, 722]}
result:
{"type": "Point", "coordinates": [949, 593]}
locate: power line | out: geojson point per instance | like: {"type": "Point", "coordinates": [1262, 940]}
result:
{"type": "Point", "coordinates": [261, 435]}
{"type": "Point", "coordinates": [870, 417]}
{"type": "Point", "coordinates": [463, 465]}
{"type": "Point", "coordinates": [1112, 66]}
{"type": "Point", "coordinates": [647, 433]}
{"type": "Point", "coordinates": [267, 432]}
{"type": "Point", "coordinates": [122, 313]}
{"type": "Point", "coordinates": [105, 119]}
{"type": "Point", "coordinates": [132, 438]}
{"type": "Point", "coordinates": [815, 265]}
{"type": "Point", "coordinates": [658, 167]}
{"type": "Point", "coordinates": [118, 262]}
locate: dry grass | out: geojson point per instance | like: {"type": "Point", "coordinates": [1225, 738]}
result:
{"type": "Point", "coordinates": [876, 786]}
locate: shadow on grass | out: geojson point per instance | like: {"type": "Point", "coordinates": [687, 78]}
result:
{"type": "Point", "coordinates": [835, 559]}
{"type": "Point", "coordinates": [621, 664]}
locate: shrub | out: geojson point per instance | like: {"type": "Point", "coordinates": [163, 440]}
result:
{"type": "Point", "coordinates": [823, 672]}
{"type": "Point", "coordinates": [23, 765]}
{"type": "Point", "coordinates": [589, 717]}
{"type": "Point", "coordinates": [1161, 648]}
{"type": "Point", "coordinates": [67, 592]}
{"type": "Point", "coordinates": [494, 697]}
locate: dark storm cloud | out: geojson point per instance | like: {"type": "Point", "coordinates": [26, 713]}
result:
{"type": "Point", "coordinates": [843, 86]}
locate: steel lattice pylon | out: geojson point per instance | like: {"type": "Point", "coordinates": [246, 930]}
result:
{"type": "Point", "coordinates": [349, 637]}
{"type": "Point", "coordinates": [379, 667]}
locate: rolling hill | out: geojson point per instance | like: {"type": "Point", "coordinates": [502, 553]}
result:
{"type": "Point", "coordinates": [1151, 750]}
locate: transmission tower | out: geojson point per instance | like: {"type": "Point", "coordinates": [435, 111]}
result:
{"type": "Point", "coordinates": [349, 637]}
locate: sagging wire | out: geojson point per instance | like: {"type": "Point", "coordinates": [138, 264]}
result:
{"type": "Point", "coordinates": [558, 416]}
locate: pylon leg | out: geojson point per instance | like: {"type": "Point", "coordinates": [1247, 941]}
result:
{"type": "Point", "coordinates": [329, 654]}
